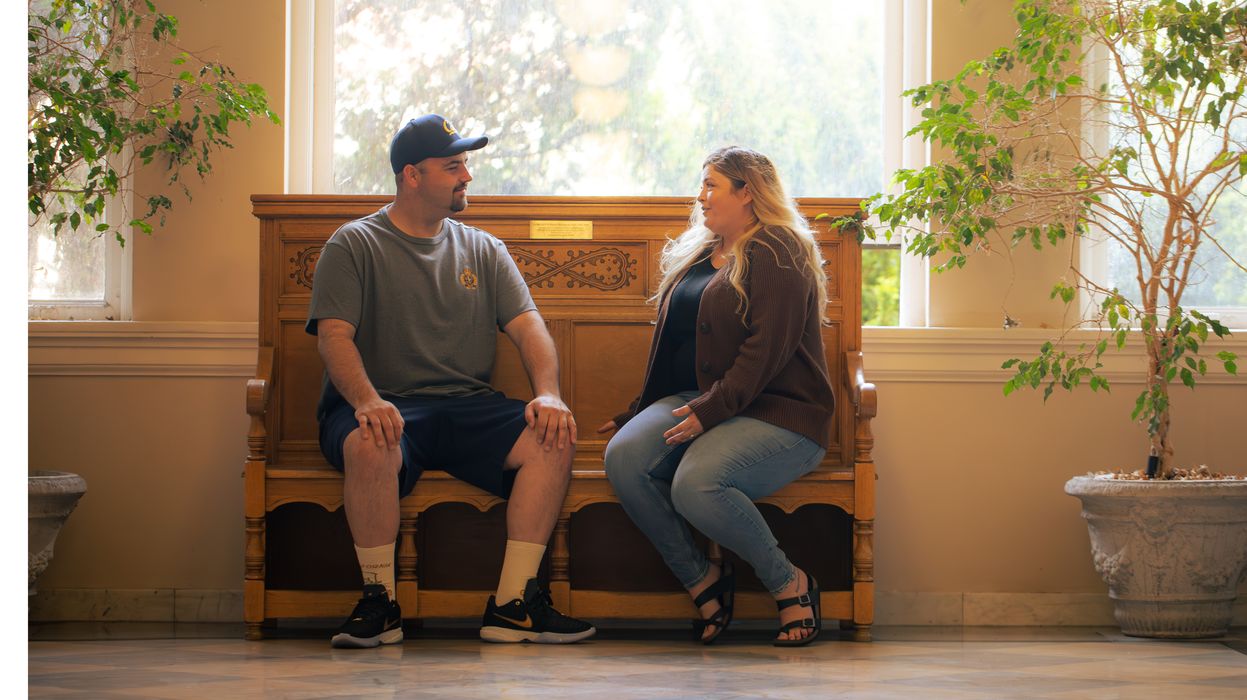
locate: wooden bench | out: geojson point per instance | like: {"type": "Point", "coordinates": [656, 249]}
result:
{"type": "Point", "coordinates": [592, 293]}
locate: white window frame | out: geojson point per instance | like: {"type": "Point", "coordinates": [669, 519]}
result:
{"type": "Point", "coordinates": [907, 24]}
{"type": "Point", "coordinates": [309, 96]}
{"type": "Point", "coordinates": [310, 112]}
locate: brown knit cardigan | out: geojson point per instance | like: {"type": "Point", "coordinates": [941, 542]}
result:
{"type": "Point", "coordinates": [771, 366]}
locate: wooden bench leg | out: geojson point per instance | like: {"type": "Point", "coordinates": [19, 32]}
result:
{"type": "Point", "coordinates": [408, 584]}
{"type": "Point", "coordinates": [714, 553]}
{"type": "Point", "coordinates": [863, 579]}
{"type": "Point", "coordinates": [560, 583]}
{"type": "Point", "coordinates": [253, 578]}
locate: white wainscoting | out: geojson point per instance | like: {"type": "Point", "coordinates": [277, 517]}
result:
{"type": "Point", "coordinates": [142, 349]}
{"type": "Point", "coordinates": [972, 355]}
{"type": "Point", "coordinates": [202, 349]}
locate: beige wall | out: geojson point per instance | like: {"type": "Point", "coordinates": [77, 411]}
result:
{"type": "Point", "coordinates": [156, 424]}
{"type": "Point", "coordinates": [970, 482]}
{"type": "Point", "coordinates": [969, 496]}
{"type": "Point", "coordinates": [1019, 281]}
{"type": "Point", "coordinates": [201, 266]}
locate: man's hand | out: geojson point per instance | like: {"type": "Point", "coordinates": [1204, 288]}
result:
{"type": "Point", "coordinates": [380, 421]}
{"type": "Point", "coordinates": [607, 427]}
{"type": "Point", "coordinates": [552, 420]}
{"type": "Point", "coordinates": [687, 429]}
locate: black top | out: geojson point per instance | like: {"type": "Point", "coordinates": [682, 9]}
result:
{"type": "Point", "coordinates": [680, 333]}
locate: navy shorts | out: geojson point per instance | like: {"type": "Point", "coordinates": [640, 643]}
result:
{"type": "Point", "coordinates": [466, 436]}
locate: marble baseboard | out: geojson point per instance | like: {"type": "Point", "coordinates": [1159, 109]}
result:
{"type": "Point", "coordinates": [1004, 609]}
{"type": "Point", "coordinates": [891, 607]}
{"type": "Point", "coordinates": [131, 605]}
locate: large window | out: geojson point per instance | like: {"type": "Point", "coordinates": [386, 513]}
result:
{"type": "Point", "coordinates": [614, 97]}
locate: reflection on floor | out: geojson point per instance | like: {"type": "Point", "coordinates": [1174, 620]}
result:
{"type": "Point", "coordinates": [137, 660]}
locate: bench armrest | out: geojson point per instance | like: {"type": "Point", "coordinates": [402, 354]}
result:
{"type": "Point", "coordinates": [865, 399]}
{"type": "Point", "coordinates": [260, 388]}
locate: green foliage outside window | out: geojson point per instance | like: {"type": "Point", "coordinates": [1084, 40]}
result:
{"type": "Point", "coordinates": [881, 286]}
{"type": "Point", "coordinates": [615, 97]}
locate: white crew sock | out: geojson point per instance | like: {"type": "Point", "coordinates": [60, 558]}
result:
{"type": "Point", "coordinates": [520, 564]}
{"type": "Point", "coordinates": [377, 566]}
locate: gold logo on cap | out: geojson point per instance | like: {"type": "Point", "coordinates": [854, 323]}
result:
{"type": "Point", "coordinates": [448, 128]}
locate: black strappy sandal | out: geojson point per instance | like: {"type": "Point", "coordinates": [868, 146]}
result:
{"type": "Point", "coordinates": [810, 599]}
{"type": "Point", "coordinates": [725, 591]}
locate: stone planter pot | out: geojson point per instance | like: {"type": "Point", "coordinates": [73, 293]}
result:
{"type": "Point", "coordinates": [53, 496]}
{"type": "Point", "coordinates": [1173, 553]}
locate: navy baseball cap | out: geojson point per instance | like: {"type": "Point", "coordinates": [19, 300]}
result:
{"type": "Point", "coordinates": [430, 136]}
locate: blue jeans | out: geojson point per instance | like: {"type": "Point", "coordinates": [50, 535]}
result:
{"type": "Point", "coordinates": [711, 482]}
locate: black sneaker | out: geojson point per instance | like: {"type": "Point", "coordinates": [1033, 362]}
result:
{"type": "Point", "coordinates": [376, 620]}
{"type": "Point", "coordinates": [531, 620]}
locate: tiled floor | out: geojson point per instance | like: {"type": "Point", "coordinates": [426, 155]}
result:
{"type": "Point", "coordinates": [207, 661]}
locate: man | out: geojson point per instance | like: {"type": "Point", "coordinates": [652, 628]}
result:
{"type": "Point", "coordinates": [406, 305]}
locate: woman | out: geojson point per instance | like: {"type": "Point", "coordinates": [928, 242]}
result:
{"type": "Point", "coordinates": [736, 401]}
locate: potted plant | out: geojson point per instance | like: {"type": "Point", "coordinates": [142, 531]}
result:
{"type": "Point", "coordinates": [1124, 122]}
{"type": "Point", "coordinates": [102, 101]}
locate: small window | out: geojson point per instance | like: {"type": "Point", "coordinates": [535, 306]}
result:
{"type": "Point", "coordinates": [75, 275]}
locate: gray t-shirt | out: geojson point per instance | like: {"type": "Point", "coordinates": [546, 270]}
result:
{"type": "Point", "coordinates": [426, 311]}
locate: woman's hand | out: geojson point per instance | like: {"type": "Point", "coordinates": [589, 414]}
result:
{"type": "Point", "coordinates": [687, 429]}
{"type": "Point", "coordinates": [607, 427]}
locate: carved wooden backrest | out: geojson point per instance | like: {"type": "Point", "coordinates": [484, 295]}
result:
{"type": "Point", "coordinates": [591, 292]}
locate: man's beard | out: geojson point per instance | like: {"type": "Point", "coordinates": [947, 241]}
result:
{"type": "Point", "coordinates": [459, 203]}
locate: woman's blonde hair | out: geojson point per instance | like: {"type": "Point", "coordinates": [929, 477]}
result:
{"type": "Point", "coordinates": [773, 211]}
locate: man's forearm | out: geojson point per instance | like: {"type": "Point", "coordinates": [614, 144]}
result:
{"type": "Point", "coordinates": [346, 370]}
{"type": "Point", "coordinates": [541, 362]}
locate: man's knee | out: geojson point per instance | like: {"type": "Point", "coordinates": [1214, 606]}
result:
{"type": "Point", "coordinates": [559, 459]}
{"type": "Point", "coordinates": [364, 458]}
{"type": "Point", "coordinates": [528, 452]}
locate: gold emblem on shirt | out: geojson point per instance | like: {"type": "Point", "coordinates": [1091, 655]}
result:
{"type": "Point", "coordinates": [468, 279]}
